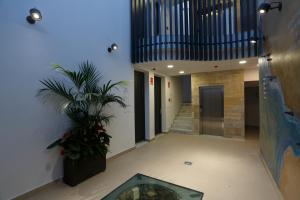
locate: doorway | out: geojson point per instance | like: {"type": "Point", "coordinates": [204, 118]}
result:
{"type": "Point", "coordinates": [157, 103]}
{"type": "Point", "coordinates": [252, 110]}
{"type": "Point", "coordinates": [212, 110]}
{"type": "Point", "coordinates": [139, 105]}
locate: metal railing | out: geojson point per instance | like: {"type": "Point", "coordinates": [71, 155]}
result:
{"type": "Point", "coordinates": [193, 30]}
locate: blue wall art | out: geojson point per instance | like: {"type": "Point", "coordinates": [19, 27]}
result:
{"type": "Point", "coordinates": [280, 127]}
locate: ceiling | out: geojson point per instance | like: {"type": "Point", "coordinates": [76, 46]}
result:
{"type": "Point", "coordinates": [190, 67]}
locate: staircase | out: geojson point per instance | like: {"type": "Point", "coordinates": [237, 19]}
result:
{"type": "Point", "coordinates": [183, 122]}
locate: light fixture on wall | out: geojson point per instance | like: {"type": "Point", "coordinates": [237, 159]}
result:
{"type": "Point", "coordinates": [266, 7]}
{"type": "Point", "coordinates": [34, 16]}
{"type": "Point", "coordinates": [268, 57]}
{"type": "Point", "coordinates": [112, 48]}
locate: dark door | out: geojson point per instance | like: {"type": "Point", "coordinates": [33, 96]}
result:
{"type": "Point", "coordinates": [212, 110]}
{"type": "Point", "coordinates": [139, 105]}
{"type": "Point", "coordinates": [157, 102]}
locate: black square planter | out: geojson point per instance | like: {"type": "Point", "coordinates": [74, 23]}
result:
{"type": "Point", "coordinates": [77, 171]}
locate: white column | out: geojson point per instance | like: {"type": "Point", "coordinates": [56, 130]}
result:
{"type": "Point", "coordinates": [149, 106]}
{"type": "Point", "coordinates": [164, 103]}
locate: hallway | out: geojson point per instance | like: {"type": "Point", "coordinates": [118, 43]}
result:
{"type": "Point", "coordinates": [228, 169]}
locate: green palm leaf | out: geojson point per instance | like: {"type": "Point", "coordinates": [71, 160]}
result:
{"type": "Point", "coordinates": [83, 100]}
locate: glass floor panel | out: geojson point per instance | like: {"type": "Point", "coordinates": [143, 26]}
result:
{"type": "Point", "coordinates": [141, 187]}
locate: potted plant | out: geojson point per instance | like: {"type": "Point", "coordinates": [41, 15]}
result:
{"type": "Point", "coordinates": [85, 145]}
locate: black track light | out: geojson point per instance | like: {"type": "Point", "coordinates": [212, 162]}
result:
{"type": "Point", "coordinates": [34, 16]}
{"type": "Point", "coordinates": [112, 48]}
{"type": "Point", "coordinates": [266, 7]}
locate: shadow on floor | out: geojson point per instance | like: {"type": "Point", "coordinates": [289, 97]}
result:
{"type": "Point", "coordinates": [252, 133]}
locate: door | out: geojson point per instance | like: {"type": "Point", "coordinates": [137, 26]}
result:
{"type": "Point", "coordinates": [139, 105]}
{"type": "Point", "coordinates": [212, 110]}
{"type": "Point", "coordinates": [157, 102]}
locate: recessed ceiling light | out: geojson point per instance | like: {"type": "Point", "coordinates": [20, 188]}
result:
{"type": "Point", "coordinates": [181, 72]}
{"type": "Point", "coordinates": [242, 62]}
{"type": "Point", "coordinates": [170, 66]}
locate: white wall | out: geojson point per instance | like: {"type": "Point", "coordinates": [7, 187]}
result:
{"type": "Point", "coordinates": [251, 74]}
{"type": "Point", "coordinates": [172, 100]}
{"type": "Point", "coordinates": [71, 31]}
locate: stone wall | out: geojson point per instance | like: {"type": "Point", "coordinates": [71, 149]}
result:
{"type": "Point", "coordinates": [233, 82]}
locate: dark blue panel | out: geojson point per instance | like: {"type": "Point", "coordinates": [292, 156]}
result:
{"type": "Point", "coordinates": [236, 34]}
{"type": "Point", "coordinates": [204, 17]}
{"type": "Point", "coordinates": [155, 27]}
{"type": "Point", "coordinates": [209, 27]}
{"type": "Point", "coordinates": [171, 28]}
{"type": "Point", "coordinates": [230, 30]}
{"type": "Point", "coordinates": [159, 20]}
{"type": "Point", "coordinates": [220, 41]}
{"type": "Point", "coordinates": [215, 32]}
{"type": "Point", "coordinates": [225, 29]}
{"type": "Point", "coordinates": [165, 29]}
{"type": "Point", "coordinates": [176, 29]}
{"type": "Point", "coordinates": [181, 13]}
{"type": "Point", "coordinates": [149, 10]}
{"type": "Point", "coordinates": [186, 31]}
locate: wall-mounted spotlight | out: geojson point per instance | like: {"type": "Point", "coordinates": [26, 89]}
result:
{"type": "Point", "coordinates": [270, 78]}
{"type": "Point", "coordinates": [34, 16]}
{"type": "Point", "coordinates": [268, 57]}
{"type": "Point", "coordinates": [112, 48]}
{"type": "Point", "coordinates": [266, 7]}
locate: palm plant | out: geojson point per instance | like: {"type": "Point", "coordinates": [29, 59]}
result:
{"type": "Point", "coordinates": [83, 100]}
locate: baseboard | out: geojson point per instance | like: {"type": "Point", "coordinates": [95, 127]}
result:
{"type": "Point", "coordinates": [120, 154]}
{"type": "Point", "coordinates": [270, 176]}
{"type": "Point", "coordinates": [36, 190]}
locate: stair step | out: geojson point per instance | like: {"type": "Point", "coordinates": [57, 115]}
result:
{"type": "Point", "coordinates": [181, 130]}
{"type": "Point", "coordinates": [186, 108]}
{"type": "Point", "coordinates": [180, 126]}
{"type": "Point", "coordinates": [185, 111]}
{"type": "Point", "coordinates": [182, 121]}
{"type": "Point", "coordinates": [184, 118]}
{"type": "Point", "coordinates": [187, 115]}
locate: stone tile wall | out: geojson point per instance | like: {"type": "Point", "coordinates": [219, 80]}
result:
{"type": "Point", "coordinates": [234, 109]}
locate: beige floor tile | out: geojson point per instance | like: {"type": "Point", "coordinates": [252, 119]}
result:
{"type": "Point", "coordinates": [224, 169]}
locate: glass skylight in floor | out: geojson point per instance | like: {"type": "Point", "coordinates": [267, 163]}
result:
{"type": "Point", "coordinates": [141, 187]}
